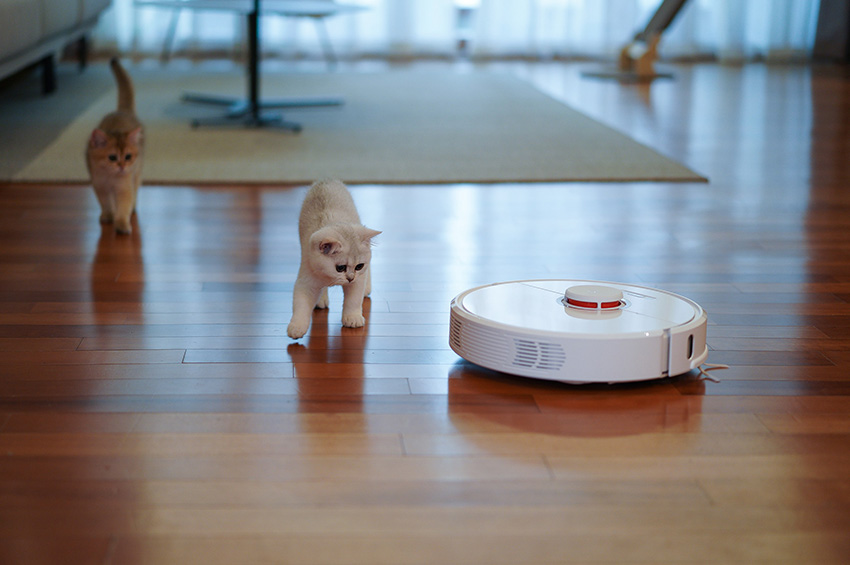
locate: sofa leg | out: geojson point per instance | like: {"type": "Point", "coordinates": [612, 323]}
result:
{"type": "Point", "coordinates": [48, 75]}
{"type": "Point", "coordinates": [83, 52]}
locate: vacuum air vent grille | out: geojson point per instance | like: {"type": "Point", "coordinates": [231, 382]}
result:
{"type": "Point", "coordinates": [478, 344]}
{"type": "Point", "coordinates": [454, 333]}
{"type": "Point", "coordinates": [538, 355]}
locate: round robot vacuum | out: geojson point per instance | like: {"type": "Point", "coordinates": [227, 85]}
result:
{"type": "Point", "coordinates": [578, 331]}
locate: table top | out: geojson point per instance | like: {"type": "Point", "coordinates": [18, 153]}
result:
{"type": "Point", "coordinates": [311, 8]}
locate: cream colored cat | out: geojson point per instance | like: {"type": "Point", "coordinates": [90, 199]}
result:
{"type": "Point", "coordinates": [114, 156]}
{"type": "Point", "coordinates": [335, 250]}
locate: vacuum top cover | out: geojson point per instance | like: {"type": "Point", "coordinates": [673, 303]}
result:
{"type": "Point", "coordinates": [568, 306]}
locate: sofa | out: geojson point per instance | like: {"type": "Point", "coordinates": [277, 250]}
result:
{"type": "Point", "coordinates": [36, 31]}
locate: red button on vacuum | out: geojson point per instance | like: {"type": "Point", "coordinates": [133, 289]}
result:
{"type": "Point", "coordinates": [596, 297]}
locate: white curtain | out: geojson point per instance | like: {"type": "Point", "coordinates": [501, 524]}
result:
{"type": "Point", "coordinates": [727, 29]}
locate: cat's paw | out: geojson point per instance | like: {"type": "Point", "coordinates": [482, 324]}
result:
{"type": "Point", "coordinates": [297, 329]}
{"type": "Point", "coordinates": [354, 320]}
{"type": "Point", "coordinates": [123, 226]}
{"type": "Point", "coordinates": [323, 301]}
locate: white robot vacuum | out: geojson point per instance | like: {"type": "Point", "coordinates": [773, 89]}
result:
{"type": "Point", "coordinates": [578, 331]}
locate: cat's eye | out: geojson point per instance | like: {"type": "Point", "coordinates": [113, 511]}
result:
{"type": "Point", "coordinates": [359, 267]}
{"type": "Point", "coordinates": [128, 156]}
{"type": "Point", "coordinates": [341, 268]}
{"type": "Point", "coordinates": [113, 157]}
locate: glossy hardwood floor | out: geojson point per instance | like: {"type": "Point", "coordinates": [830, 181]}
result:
{"type": "Point", "coordinates": [152, 409]}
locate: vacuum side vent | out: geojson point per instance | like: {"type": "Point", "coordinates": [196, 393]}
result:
{"type": "Point", "coordinates": [479, 345]}
{"type": "Point", "coordinates": [538, 355]}
{"type": "Point", "coordinates": [454, 333]}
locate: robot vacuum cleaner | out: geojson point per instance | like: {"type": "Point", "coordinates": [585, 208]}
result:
{"type": "Point", "coordinates": [578, 331]}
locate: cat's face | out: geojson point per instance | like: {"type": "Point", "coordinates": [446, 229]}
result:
{"type": "Point", "coordinates": [340, 255]}
{"type": "Point", "coordinates": [115, 154]}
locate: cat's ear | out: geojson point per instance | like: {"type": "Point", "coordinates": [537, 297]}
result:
{"type": "Point", "coordinates": [98, 139]}
{"type": "Point", "coordinates": [366, 234]}
{"type": "Point", "coordinates": [135, 136]}
{"type": "Point", "coordinates": [329, 246]}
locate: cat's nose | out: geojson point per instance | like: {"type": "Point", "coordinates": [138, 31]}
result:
{"type": "Point", "coordinates": [349, 277]}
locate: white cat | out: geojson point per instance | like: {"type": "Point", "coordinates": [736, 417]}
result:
{"type": "Point", "coordinates": [335, 250]}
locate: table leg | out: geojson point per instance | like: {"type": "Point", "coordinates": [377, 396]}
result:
{"type": "Point", "coordinates": [250, 112]}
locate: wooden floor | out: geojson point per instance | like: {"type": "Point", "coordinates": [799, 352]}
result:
{"type": "Point", "coordinates": [152, 409]}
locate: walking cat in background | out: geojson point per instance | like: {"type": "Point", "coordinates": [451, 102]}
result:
{"type": "Point", "coordinates": [114, 156]}
{"type": "Point", "coordinates": [335, 250]}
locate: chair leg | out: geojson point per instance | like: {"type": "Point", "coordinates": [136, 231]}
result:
{"type": "Point", "coordinates": [325, 39]}
{"type": "Point", "coordinates": [168, 43]}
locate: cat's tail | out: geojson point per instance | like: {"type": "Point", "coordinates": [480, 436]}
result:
{"type": "Point", "coordinates": [126, 94]}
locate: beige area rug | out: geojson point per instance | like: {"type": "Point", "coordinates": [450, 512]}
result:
{"type": "Point", "coordinates": [394, 127]}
